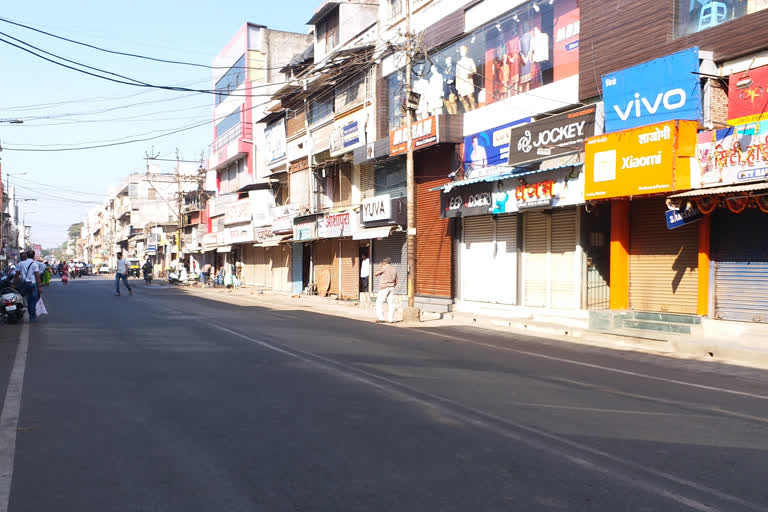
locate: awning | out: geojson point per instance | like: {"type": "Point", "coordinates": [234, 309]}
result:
{"type": "Point", "coordinates": [226, 248]}
{"type": "Point", "coordinates": [368, 233]}
{"type": "Point", "coordinates": [516, 173]}
{"type": "Point", "coordinates": [273, 241]}
{"type": "Point", "coordinates": [209, 249]}
{"type": "Point", "coordinates": [731, 189]}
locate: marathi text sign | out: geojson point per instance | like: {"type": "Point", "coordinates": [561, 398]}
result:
{"type": "Point", "coordinates": [336, 225]}
{"type": "Point", "coordinates": [733, 155]}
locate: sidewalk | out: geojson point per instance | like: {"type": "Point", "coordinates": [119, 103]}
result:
{"type": "Point", "coordinates": [720, 347]}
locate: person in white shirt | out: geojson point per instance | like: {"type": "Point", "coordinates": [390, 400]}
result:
{"type": "Point", "coordinates": [27, 281]}
{"type": "Point", "coordinates": [365, 272]}
{"type": "Point", "coordinates": [122, 273]}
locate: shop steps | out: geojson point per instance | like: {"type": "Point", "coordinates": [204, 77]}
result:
{"type": "Point", "coordinates": [433, 304]}
{"type": "Point", "coordinates": [644, 325]}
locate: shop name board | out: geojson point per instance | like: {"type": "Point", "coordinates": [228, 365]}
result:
{"type": "Point", "coordinates": [346, 134]}
{"type": "Point", "coordinates": [218, 205]}
{"type": "Point", "coordinates": [305, 231]}
{"type": "Point", "coordinates": [679, 218]}
{"type": "Point", "coordinates": [647, 160]}
{"type": "Point", "coordinates": [238, 212]}
{"type": "Point", "coordinates": [663, 89]}
{"type": "Point", "coordinates": [377, 208]}
{"type": "Point", "coordinates": [335, 225]}
{"type": "Point", "coordinates": [487, 152]}
{"type": "Point", "coordinates": [260, 235]}
{"type": "Point", "coordinates": [552, 136]}
{"type": "Point", "coordinates": [424, 133]}
{"type": "Point", "coordinates": [737, 155]}
{"type": "Point", "coordinates": [467, 200]}
{"type": "Point", "coordinates": [299, 165]}
{"type": "Point", "coordinates": [282, 216]}
{"type": "Point", "coordinates": [748, 96]}
{"type": "Point", "coordinates": [535, 195]}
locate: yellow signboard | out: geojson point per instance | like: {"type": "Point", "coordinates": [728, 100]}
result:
{"type": "Point", "coordinates": [648, 160]}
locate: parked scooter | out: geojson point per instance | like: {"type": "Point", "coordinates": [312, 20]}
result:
{"type": "Point", "coordinates": [148, 277]}
{"type": "Point", "coordinates": [12, 307]}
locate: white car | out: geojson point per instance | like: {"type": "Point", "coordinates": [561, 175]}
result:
{"type": "Point", "coordinates": [103, 268]}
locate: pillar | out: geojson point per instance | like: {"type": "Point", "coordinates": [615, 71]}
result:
{"type": "Point", "coordinates": [702, 306]}
{"type": "Point", "coordinates": [619, 275]}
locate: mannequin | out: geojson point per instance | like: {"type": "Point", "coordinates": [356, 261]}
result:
{"type": "Point", "coordinates": [450, 97]}
{"type": "Point", "coordinates": [435, 92]}
{"type": "Point", "coordinates": [526, 57]}
{"type": "Point", "coordinates": [421, 86]}
{"type": "Point", "coordinates": [465, 84]}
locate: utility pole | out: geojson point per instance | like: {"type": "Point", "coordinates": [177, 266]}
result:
{"type": "Point", "coordinates": [411, 313]}
{"type": "Point", "coordinates": [181, 202]}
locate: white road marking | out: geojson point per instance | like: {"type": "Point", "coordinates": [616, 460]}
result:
{"type": "Point", "coordinates": [599, 367]}
{"type": "Point", "coordinates": [9, 418]}
{"type": "Point", "coordinates": [438, 402]}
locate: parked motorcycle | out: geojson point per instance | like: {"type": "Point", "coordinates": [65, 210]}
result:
{"type": "Point", "coordinates": [148, 277]}
{"type": "Point", "coordinates": [11, 305]}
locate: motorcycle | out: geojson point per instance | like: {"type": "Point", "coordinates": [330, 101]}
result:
{"type": "Point", "coordinates": [12, 307]}
{"type": "Point", "coordinates": [148, 277]}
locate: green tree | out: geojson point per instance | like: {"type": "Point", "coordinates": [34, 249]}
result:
{"type": "Point", "coordinates": [74, 230]}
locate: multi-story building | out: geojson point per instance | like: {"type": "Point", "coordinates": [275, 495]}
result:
{"type": "Point", "coordinates": [247, 71]}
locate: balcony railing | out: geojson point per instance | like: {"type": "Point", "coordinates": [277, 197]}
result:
{"type": "Point", "coordinates": [240, 130]}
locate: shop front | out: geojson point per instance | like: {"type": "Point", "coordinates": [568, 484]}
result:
{"type": "Point", "coordinates": [382, 235]}
{"type": "Point", "coordinates": [652, 268]}
{"type": "Point", "coordinates": [302, 264]}
{"type": "Point", "coordinates": [337, 255]}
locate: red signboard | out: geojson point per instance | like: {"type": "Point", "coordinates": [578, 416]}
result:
{"type": "Point", "coordinates": [424, 134]}
{"type": "Point", "coordinates": [748, 96]}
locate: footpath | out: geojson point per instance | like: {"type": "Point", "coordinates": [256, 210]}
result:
{"type": "Point", "coordinates": [719, 347]}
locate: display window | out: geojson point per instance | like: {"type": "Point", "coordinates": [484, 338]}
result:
{"type": "Point", "coordinates": [521, 51]}
{"type": "Point", "coordinates": [697, 15]}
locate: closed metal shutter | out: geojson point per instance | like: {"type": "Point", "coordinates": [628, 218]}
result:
{"type": "Point", "coordinates": [535, 248]}
{"type": "Point", "coordinates": [477, 259]}
{"type": "Point", "coordinates": [741, 265]}
{"type": "Point", "coordinates": [366, 180]}
{"type": "Point", "coordinates": [350, 269]}
{"type": "Point", "coordinates": [280, 257]}
{"type": "Point", "coordinates": [248, 277]}
{"type": "Point", "coordinates": [396, 248]}
{"type": "Point", "coordinates": [663, 263]}
{"type": "Point", "coordinates": [505, 269]}
{"type": "Point", "coordinates": [259, 267]}
{"type": "Point", "coordinates": [562, 264]}
{"type": "Point", "coordinates": [326, 262]}
{"type": "Point", "coordinates": [297, 266]}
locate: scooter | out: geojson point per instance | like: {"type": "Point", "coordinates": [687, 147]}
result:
{"type": "Point", "coordinates": [148, 277]}
{"type": "Point", "coordinates": [11, 305]}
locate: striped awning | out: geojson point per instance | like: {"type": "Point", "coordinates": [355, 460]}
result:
{"type": "Point", "coordinates": [730, 189]}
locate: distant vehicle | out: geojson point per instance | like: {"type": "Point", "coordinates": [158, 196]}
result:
{"type": "Point", "coordinates": [134, 267]}
{"type": "Point", "coordinates": [104, 268]}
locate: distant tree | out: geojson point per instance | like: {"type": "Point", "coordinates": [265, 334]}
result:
{"type": "Point", "coordinates": [74, 230]}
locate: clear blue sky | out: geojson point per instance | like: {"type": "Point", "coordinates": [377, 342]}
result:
{"type": "Point", "coordinates": [172, 29]}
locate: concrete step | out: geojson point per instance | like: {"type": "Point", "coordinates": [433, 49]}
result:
{"type": "Point", "coordinates": [425, 299]}
{"type": "Point", "coordinates": [674, 318]}
{"type": "Point", "coordinates": [665, 327]}
{"type": "Point", "coordinates": [434, 308]}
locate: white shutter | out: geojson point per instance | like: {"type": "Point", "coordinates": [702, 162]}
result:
{"type": "Point", "coordinates": [563, 259]}
{"type": "Point", "coordinates": [477, 251]}
{"type": "Point", "coordinates": [504, 281]}
{"type": "Point", "coordinates": [535, 242]}
{"type": "Point", "coordinates": [299, 188]}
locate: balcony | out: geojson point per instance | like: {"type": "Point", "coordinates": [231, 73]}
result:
{"type": "Point", "coordinates": [234, 143]}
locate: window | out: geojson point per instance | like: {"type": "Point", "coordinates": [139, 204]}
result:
{"type": "Point", "coordinates": [320, 109]}
{"type": "Point", "coordinates": [328, 29]}
{"type": "Point", "coordinates": [281, 189]}
{"type": "Point", "coordinates": [152, 194]}
{"type": "Point", "coordinates": [343, 190]}
{"type": "Point", "coordinates": [389, 178]}
{"type": "Point", "coordinates": [231, 80]}
{"type": "Point", "coordinates": [395, 8]}
{"type": "Point", "coordinates": [696, 15]}
{"type": "Point", "coordinates": [228, 122]}
{"type": "Point", "coordinates": [352, 92]}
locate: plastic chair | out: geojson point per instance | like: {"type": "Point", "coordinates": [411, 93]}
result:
{"type": "Point", "coordinates": [712, 14]}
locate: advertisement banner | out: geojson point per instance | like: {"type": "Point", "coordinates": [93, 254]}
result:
{"type": "Point", "coordinates": [275, 138]}
{"type": "Point", "coordinates": [487, 152]}
{"type": "Point", "coordinates": [547, 189]}
{"type": "Point", "coordinates": [552, 136]}
{"type": "Point", "coordinates": [424, 133]}
{"type": "Point", "coordinates": [679, 218]}
{"type": "Point", "coordinates": [748, 96]}
{"type": "Point", "coordinates": [337, 224]}
{"type": "Point", "coordinates": [282, 219]}
{"type": "Point", "coordinates": [348, 133]}
{"type": "Point", "coordinates": [659, 90]}
{"type": "Point", "coordinates": [641, 161]}
{"type": "Point", "coordinates": [238, 212]}
{"type": "Point", "coordinates": [738, 154]}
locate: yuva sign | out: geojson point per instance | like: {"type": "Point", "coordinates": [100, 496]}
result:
{"type": "Point", "coordinates": [377, 208]}
{"type": "Point", "coordinates": [424, 133]}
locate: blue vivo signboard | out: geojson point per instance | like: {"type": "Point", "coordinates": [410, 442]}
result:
{"type": "Point", "coordinates": [678, 218]}
{"type": "Point", "coordinates": [659, 90]}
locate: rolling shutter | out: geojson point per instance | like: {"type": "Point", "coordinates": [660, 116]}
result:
{"type": "Point", "coordinates": [280, 257]}
{"type": "Point", "coordinates": [535, 246]}
{"type": "Point", "coordinates": [366, 180]}
{"type": "Point", "coordinates": [563, 259]}
{"type": "Point", "coordinates": [297, 267]}
{"type": "Point", "coordinates": [741, 265]}
{"type": "Point", "coordinates": [350, 269]}
{"type": "Point", "coordinates": [477, 259]}
{"type": "Point", "coordinates": [663, 263]}
{"type": "Point", "coordinates": [326, 263]}
{"type": "Point", "coordinates": [396, 248]}
{"type": "Point", "coordinates": [505, 269]}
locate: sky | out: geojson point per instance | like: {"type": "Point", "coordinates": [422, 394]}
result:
{"type": "Point", "coordinates": [63, 109]}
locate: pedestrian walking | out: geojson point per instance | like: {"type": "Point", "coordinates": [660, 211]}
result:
{"type": "Point", "coordinates": [365, 272]}
{"type": "Point", "coordinates": [27, 282]}
{"type": "Point", "coordinates": [387, 281]}
{"type": "Point", "coordinates": [122, 273]}
{"type": "Point", "coordinates": [206, 274]}
{"type": "Point", "coordinates": [46, 277]}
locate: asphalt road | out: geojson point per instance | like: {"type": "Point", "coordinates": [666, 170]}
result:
{"type": "Point", "coordinates": [163, 401]}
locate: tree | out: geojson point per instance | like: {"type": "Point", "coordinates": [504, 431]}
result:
{"type": "Point", "coordinates": [74, 230]}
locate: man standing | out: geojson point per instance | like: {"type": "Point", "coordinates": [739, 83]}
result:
{"type": "Point", "coordinates": [365, 272]}
{"type": "Point", "coordinates": [387, 283]}
{"type": "Point", "coordinates": [27, 281]}
{"type": "Point", "coordinates": [122, 273]}
{"type": "Point", "coordinates": [206, 274]}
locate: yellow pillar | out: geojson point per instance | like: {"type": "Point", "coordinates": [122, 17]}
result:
{"type": "Point", "coordinates": [702, 307]}
{"type": "Point", "coordinates": [619, 275]}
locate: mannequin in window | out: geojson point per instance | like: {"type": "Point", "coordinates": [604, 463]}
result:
{"type": "Point", "coordinates": [450, 97]}
{"type": "Point", "coordinates": [465, 83]}
{"type": "Point", "coordinates": [526, 56]}
{"type": "Point", "coordinates": [435, 92]}
{"type": "Point", "coordinates": [510, 70]}
{"type": "Point", "coordinates": [421, 87]}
